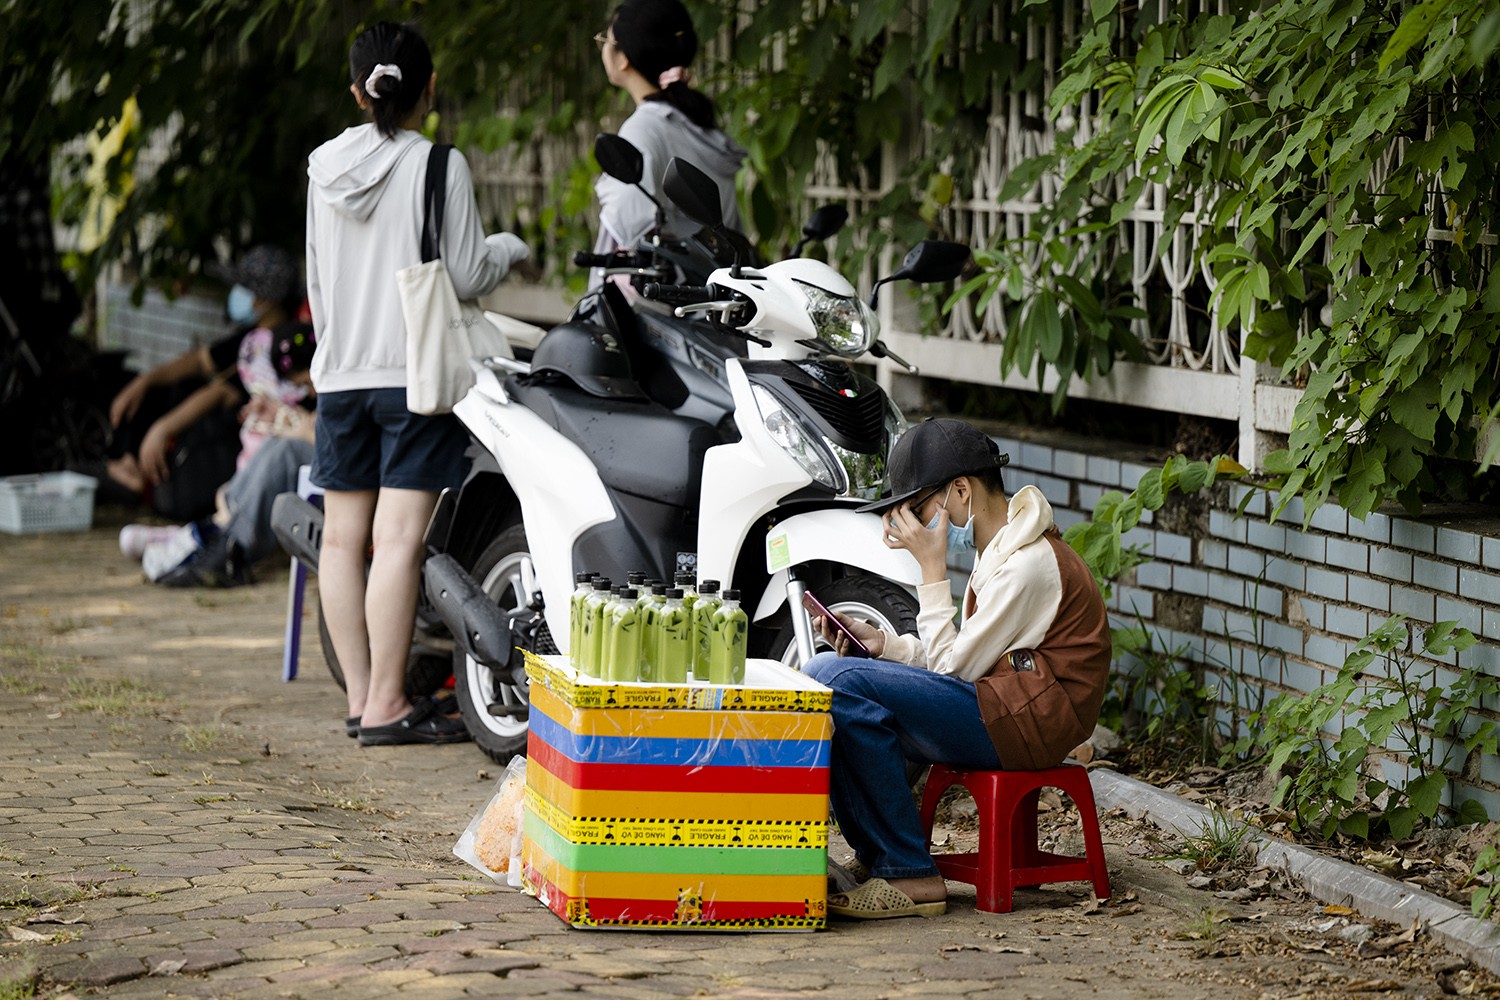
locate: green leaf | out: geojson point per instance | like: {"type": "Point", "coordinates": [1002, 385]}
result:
{"type": "Point", "coordinates": [1414, 27]}
{"type": "Point", "coordinates": [1100, 9]}
{"type": "Point", "coordinates": [1425, 793]}
{"type": "Point", "coordinates": [1401, 820]}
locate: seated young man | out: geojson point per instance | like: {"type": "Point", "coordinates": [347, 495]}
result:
{"type": "Point", "coordinates": [1018, 686]}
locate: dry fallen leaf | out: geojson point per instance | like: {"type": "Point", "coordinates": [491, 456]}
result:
{"type": "Point", "coordinates": [1374, 985]}
{"type": "Point", "coordinates": [22, 934]}
{"type": "Point", "coordinates": [1338, 911]}
{"type": "Point", "coordinates": [1126, 910]}
{"type": "Point", "coordinates": [169, 967]}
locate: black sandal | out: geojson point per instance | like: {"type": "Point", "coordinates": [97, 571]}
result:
{"type": "Point", "coordinates": [351, 727]}
{"type": "Point", "coordinates": [423, 724]}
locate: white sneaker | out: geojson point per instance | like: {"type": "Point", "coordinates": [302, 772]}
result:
{"type": "Point", "coordinates": [135, 537]}
{"type": "Point", "coordinates": [160, 558]}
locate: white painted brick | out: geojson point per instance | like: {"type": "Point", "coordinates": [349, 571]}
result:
{"type": "Point", "coordinates": [1327, 584]}
{"type": "Point", "coordinates": [1226, 526]}
{"type": "Point", "coordinates": [1070, 464]}
{"type": "Point", "coordinates": [1469, 616]}
{"type": "Point", "coordinates": [1347, 555]}
{"type": "Point", "coordinates": [1460, 546]}
{"type": "Point", "coordinates": [1187, 580]}
{"type": "Point", "coordinates": [1229, 589]}
{"type": "Point", "coordinates": [1391, 563]}
{"type": "Point", "coordinates": [1257, 506]}
{"type": "Point", "coordinates": [1413, 535]}
{"type": "Point", "coordinates": [1305, 677]}
{"type": "Point", "coordinates": [1266, 536]}
{"type": "Point", "coordinates": [1035, 457]}
{"type": "Point", "coordinates": [1347, 621]}
{"type": "Point", "coordinates": [1312, 610]}
{"type": "Point", "coordinates": [1144, 537]}
{"type": "Point", "coordinates": [1491, 623]}
{"type": "Point", "coordinates": [1178, 548]}
{"type": "Point", "coordinates": [1278, 636]}
{"type": "Point", "coordinates": [1479, 586]}
{"type": "Point", "coordinates": [1066, 517]}
{"type": "Point", "coordinates": [1088, 496]}
{"type": "Point", "coordinates": [1213, 620]}
{"type": "Point", "coordinates": [1307, 546]}
{"type": "Point", "coordinates": [1374, 528]}
{"type": "Point", "coordinates": [1418, 604]}
{"type": "Point", "coordinates": [1330, 517]}
{"type": "Point", "coordinates": [1059, 492]}
{"type": "Point", "coordinates": [1154, 574]}
{"type": "Point", "coordinates": [1434, 575]}
{"type": "Point", "coordinates": [1248, 562]}
{"type": "Point", "coordinates": [1134, 601]}
{"type": "Point", "coordinates": [1491, 552]}
{"type": "Point", "coordinates": [1213, 554]}
{"type": "Point", "coordinates": [1368, 593]}
{"type": "Point", "coordinates": [1104, 470]}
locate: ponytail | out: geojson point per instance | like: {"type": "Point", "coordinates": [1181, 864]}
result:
{"type": "Point", "coordinates": [390, 64]}
{"type": "Point", "coordinates": [659, 39]}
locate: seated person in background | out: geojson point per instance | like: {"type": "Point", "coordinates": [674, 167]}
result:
{"type": "Point", "coordinates": [1018, 686]}
{"type": "Point", "coordinates": [219, 551]}
{"type": "Point", "coordinates": [176, 438]}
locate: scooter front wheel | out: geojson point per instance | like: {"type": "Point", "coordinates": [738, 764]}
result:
{"type": "Point", "coordinates": [495, 703]}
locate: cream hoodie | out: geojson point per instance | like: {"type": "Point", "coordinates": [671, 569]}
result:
{"type": "Point", "coordinates": [364, 223]}
{"type": "Point", "coordinates": [1017, 589]}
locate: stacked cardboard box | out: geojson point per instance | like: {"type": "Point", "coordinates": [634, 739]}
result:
{"type": "Point", "coordinates": [689, 807]}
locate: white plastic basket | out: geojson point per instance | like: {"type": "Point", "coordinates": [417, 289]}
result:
{"type": "Point", "coordinates": [48, 501]}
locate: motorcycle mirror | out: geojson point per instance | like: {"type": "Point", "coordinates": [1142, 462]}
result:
{"type": "Point", "coordinates": [823, 223]}
{"type": "Point", "coordinates": [694, 192]}
{"type": "Point", "coordinates": [927, 262]}
{"type": "Point", "coordinates": [619, 158]}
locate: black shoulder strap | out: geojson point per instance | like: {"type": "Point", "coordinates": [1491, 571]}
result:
{"type": "Point", "coordinates": [434, 197]}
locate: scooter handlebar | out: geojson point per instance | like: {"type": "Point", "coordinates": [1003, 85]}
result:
{"type": "Point", "coordinates": [585, 259]}
{"type": "Point", "coordinates": [677, 295]}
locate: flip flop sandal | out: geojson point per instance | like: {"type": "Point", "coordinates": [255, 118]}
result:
{"type": "Point", "coordinates": [423, 724]}
{"type": "Point", "coordinates": [877, 899]}
{"type": "Point", "coordinates": [351, 727]}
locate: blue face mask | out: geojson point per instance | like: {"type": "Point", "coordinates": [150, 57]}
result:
{"type": "Point", "coordinates": [241, 305]}
{"type": "Point", "coordinates": [959, 539]}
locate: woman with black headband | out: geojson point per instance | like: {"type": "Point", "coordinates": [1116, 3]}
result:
{"type": "Point", "coordinates": [646, 50]}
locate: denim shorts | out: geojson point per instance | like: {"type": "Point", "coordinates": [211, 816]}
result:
{"type": "Point", "coordinates": [368, 439]}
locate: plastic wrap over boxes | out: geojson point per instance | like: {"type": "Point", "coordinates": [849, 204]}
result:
{"type": "Point", "coordinates": [678, 807]}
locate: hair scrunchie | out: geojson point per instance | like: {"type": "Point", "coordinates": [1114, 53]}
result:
{"type": "Point", "coordinates": [677, 74]}
{"type": "Point", "coordinates": [380, 72]}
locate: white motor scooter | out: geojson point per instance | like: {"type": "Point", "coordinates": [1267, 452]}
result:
{"type": "Point", "coordinates": [581, 469]}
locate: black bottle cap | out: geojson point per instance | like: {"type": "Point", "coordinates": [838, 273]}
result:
{"type": "Point", "coordinates": [674, 593]}
{"type": "Point", "coordinates": [731, 595]}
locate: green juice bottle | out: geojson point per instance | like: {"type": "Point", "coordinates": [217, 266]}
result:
{"type": "Point", "coordinates": [674, 640]}
{"type": "Point", "coordinates": [688, 585]}
{"type": "Point", "coordinates": [583, 586]}
{"type": "Point", "coordinates": [703, 616]}
{"type": "Point", "coordinates": [727, 641]}
{"type": "Point", "coordinates": [624, 656]}
{"type": "Point", "coordinates": [649, 609]}
{"type": "Point", "coordinates": [591, 633]}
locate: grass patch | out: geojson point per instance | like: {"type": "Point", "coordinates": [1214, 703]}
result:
{"type": "Point", "coordinates": [200, 739]}
{"type": "Point", "coordinates": [18, 982]}
{"type": "Point", "coordinates": [1224, 843]}
{"type": "Point", "coordinates": [350, 803]}
{"type": "Point", "coordinates": [1206, 926]}
{"type": "Point", "coordinates": [111, 697]}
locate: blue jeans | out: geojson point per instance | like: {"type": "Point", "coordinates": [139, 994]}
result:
{"type": "Point", "coordinates": [885, 714]}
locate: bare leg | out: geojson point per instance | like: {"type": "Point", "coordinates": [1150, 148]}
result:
{"type": "Point", "coordinates": [347, 518]}
{"type": "Point", "coordinates": [401, 518]}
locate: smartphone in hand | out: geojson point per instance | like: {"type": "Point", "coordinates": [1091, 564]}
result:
{"type": "Point", "coordinates": [815, 608]}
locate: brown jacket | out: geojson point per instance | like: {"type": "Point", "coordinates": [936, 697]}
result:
{"type": "Point", "coordinates": [1035, 639]}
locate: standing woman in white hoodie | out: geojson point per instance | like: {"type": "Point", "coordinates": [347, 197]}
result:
{"type": "Point", "coordinates": [381, 467]}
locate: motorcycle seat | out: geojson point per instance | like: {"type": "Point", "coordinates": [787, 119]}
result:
{"type": "Point", "coordinates": [638, 446]}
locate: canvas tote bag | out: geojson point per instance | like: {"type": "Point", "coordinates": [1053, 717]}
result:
{"type": "Point", "coordinates": [442, 333]}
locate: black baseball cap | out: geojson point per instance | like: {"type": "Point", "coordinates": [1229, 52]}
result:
{"type": "Point", "coordinates": [268, 271]}
{"type": "Point", "coordinates": [933, 452]}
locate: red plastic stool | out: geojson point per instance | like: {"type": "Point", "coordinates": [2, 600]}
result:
{"type": "Point", "coordinates": [1008, 855]}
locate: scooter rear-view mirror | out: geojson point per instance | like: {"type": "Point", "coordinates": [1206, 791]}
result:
{"type": "Point", "coordinates": [823, 223]}
{"type": "Point", "coordinates": [929, 261]}
{"type": "Point", "coordinates": [619, 158]}
{"type": "Point", "coordinates": [694, 192]}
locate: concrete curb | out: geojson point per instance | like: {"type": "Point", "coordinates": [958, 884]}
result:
{"type": "Point", "coordinates": [1338, 882]}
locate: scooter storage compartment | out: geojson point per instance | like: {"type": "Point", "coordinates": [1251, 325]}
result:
{"type": "Point", "coordinates": [678, 807]}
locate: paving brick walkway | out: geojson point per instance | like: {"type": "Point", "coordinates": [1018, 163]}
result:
{"type": "Point", "coordinates": [176, 821]}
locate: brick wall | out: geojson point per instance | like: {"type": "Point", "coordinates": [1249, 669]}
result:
{"type": "Point", "coordinates": [159, 328]}
{"type": "Point", "coordinates": [1268, 607]}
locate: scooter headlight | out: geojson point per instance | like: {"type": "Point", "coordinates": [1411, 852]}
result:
{"type": "Point", "coordinates": [787, 430]}
{"type": "Point", "coordinates": [844, 323]}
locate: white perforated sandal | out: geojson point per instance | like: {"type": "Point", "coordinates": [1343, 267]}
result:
{"type": "Point", "coordinates": [877, 899]}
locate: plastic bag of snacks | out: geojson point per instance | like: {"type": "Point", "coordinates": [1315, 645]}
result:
{"type": "Point", "coordinates": [492, 840]}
